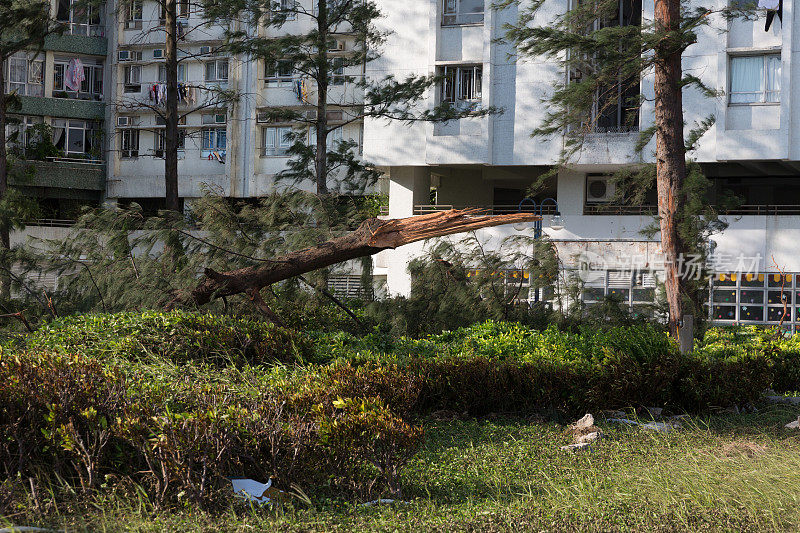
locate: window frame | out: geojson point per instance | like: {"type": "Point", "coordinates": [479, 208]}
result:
{"type": "Point", "coordinates": [281, 146]}
{"type": "Point", "coordinates": [129, 86]}
{"type": "Point", "coordinates": [765, 56]}
{"type": "Point", "coordinates": [457, 17]}
{"type": "Point", "coordinates": [133, 15]}
{"type": "Point", "coordinates": [216, 63]}
{"type": "Point", "coordinates": [452, 87]}
{"type": "Point", "coordinates": [131, 137]}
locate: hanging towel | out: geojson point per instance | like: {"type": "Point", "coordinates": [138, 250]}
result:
{"type": "Point", "coordinates": [74, 75]}
{"type": "Point", "coordinates": [304, 92]}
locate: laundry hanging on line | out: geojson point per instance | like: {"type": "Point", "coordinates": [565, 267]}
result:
{"type": "Point", "coordinates": [74, 75]}
{"type": "Point", "coordinates": [773, 7]}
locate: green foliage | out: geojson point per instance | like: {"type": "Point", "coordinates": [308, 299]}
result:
{"type": "Point", "coordinates": [178, 336]}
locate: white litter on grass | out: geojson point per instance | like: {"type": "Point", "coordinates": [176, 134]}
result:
{"type": "Point", "coordinates": [794, 424]}
{"type": "Point", "coordinates": [586, 422]}
{"type": "Point", "coordinates": [590, 437]}
{"type": "Point", "coordinates": [576, 447]}
{"type": "Point", "coordinates": [383, 501]}
{"type": "Point", "coordinates": [663, 427]}
{"type": "Point", "coordinates": [250, 489]}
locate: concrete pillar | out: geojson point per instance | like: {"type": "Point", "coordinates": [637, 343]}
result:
{"type": "Point", "coordinates": [570, 192]}
{"type": "Point", "coordinates": [408, 186]}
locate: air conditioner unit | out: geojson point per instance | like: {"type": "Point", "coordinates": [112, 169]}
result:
{"type": "Point", "coordinates": [205, 50]}
{"type": "Point", "coordinates": [129, 55]}
{"type": "Point", "coordinates": [263, 118]}
{"type": "Point", "coordinates": [220, 118]}
{"type": "Point", "coordinates": [158, 53]}
{"type": "Point", "coordinates": [599, 189]}
{"type": "Point", "coordinates": [124, 121]}
{"type": "Point", "coordinates": [311, 114]}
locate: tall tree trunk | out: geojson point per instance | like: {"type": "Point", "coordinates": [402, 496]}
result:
{"type": "Point", "coordinates": [321, 125]}
{"type": "Point", "coordinates": [5, 238]}
{"type": "Point", "coordinates": [171, 111]}
{"type": "Point", "coordinates": [670, 153]}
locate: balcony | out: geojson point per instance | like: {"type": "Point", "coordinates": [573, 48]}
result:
{"type": "Point", "coordinates": [62, 107]}
{"type": "Point", "coordinates": [83, 177]}
{"type": "Point", "coordinates": [76, 43]}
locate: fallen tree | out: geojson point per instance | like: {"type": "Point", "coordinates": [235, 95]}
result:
{"type": "Point", "coordinates": [369, 238]}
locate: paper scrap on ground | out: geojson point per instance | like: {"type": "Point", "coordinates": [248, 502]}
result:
{"type": "Point", "coordinates": [663, 427]}
{"type": "Point", "coordinates": [250, 489]}
{"type": "Point", "coordinates": [794, 424]}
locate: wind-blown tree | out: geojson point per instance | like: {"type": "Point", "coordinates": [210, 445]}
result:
{"type": "Point", "coordinates": [24, 25]}
{"type": "Point", "coordinates": [316, 62]}
{"type": "Point", "coordinates": [607, 51]}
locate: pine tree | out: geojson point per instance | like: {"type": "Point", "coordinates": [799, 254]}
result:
{"type": "Point", "coordinates": [606, 50]}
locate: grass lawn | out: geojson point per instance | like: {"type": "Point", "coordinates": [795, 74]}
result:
{"type": "Point", "coordinates": [719, 472]}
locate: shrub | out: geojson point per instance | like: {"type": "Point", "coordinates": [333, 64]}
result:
{"type": "Point", "coordinates": [177, 336]}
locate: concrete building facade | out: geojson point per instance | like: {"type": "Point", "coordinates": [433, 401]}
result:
{"type": "Point", "coordinates": [752, 149]}
{"type": "Point", "coordinates": [490, 162]}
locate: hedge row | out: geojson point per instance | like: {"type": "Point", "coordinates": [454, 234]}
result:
{"type": "Point", "coordinates": [179, 402]}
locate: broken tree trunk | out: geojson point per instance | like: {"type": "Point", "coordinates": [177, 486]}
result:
{"type": "Point", "coordinates": [371, 237]}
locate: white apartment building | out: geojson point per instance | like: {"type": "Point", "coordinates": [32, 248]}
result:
{"type": "Point", "coordinates": [227, 145]}
{"type": "Point", "coordinates": [229, 148]}
{"type": "Point", "coordinates": [753, 149]}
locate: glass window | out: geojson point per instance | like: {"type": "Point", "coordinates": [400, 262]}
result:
{"type": "Point", "coordinates": [133, 75]}
{"type": "Point", "coordinates": [214, 138]}
{"type": "Point", "coordinates": [129, 143]}
{"type": "Point", "coordinates": [755, 79]}
{"type": "Point", "coordinates": [277, 140]}
{"type": "Point", "coordinates": [462, 12]}
{"type": "Point", "coordinates": [462, 85]}
{"type": "Point", "coordinates": [217, 70]}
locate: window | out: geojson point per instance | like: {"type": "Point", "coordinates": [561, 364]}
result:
{"type": "Point", "coordinates": [289, 5]}
{"type": "Point", "coordinates": [462, 85]}
{"type": "Point", "coordinates": [160, 142]}
{"type": "Point", "coordinates": [337, 71]}
{"type": "Point", "coordinates": [80, 18]}
{"type": "Point", "coordinates": [216, 118]}
{"type": "Point", "coordinates": [277, 140]}
{"type": "Point", "coordinates": [133, 16]}
{"type": "Point", "coordinates": [217, 70]}
{"type": "Point", "coordinates": [20, 134]}
{"type": "Point", "coordinates": [129, 143]}
{"type": "Point", "coordinates": [75, 137]}
{"type": "Point", "coordinates": [615, 107]}
{"type": "Point", "coordinates": [214, 140]}
{"type": "Point", "coordinates": [133, 75]}
{"type": "Point", "coordinates": [91, 86]}
{"type": "Point", "coordinates": [462, 12]}
{"type": "Point", "coordinates": [283, 71]}
{"type": "Point", "coordinates": [755, 79]}
{"type": "Point", "coordinates": [25, 76]}
{"type": "Point", "coordinates": [162, 73]}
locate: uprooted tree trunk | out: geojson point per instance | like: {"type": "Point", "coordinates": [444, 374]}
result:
{"type": "Point", "coordinates": [371, 237]}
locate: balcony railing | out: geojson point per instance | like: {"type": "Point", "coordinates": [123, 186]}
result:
{"type": "Point", "coordinates": [497, 209]}
{"type": "Point", "coordinates": [743, 210]}
{"type": "Point", "coordinates": [51, 222]}
{"type": "Point", "coordinates": [89, 30]}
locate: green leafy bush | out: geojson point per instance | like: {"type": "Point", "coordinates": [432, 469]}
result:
{"type": "Point", "coordinates": [176, 336]}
